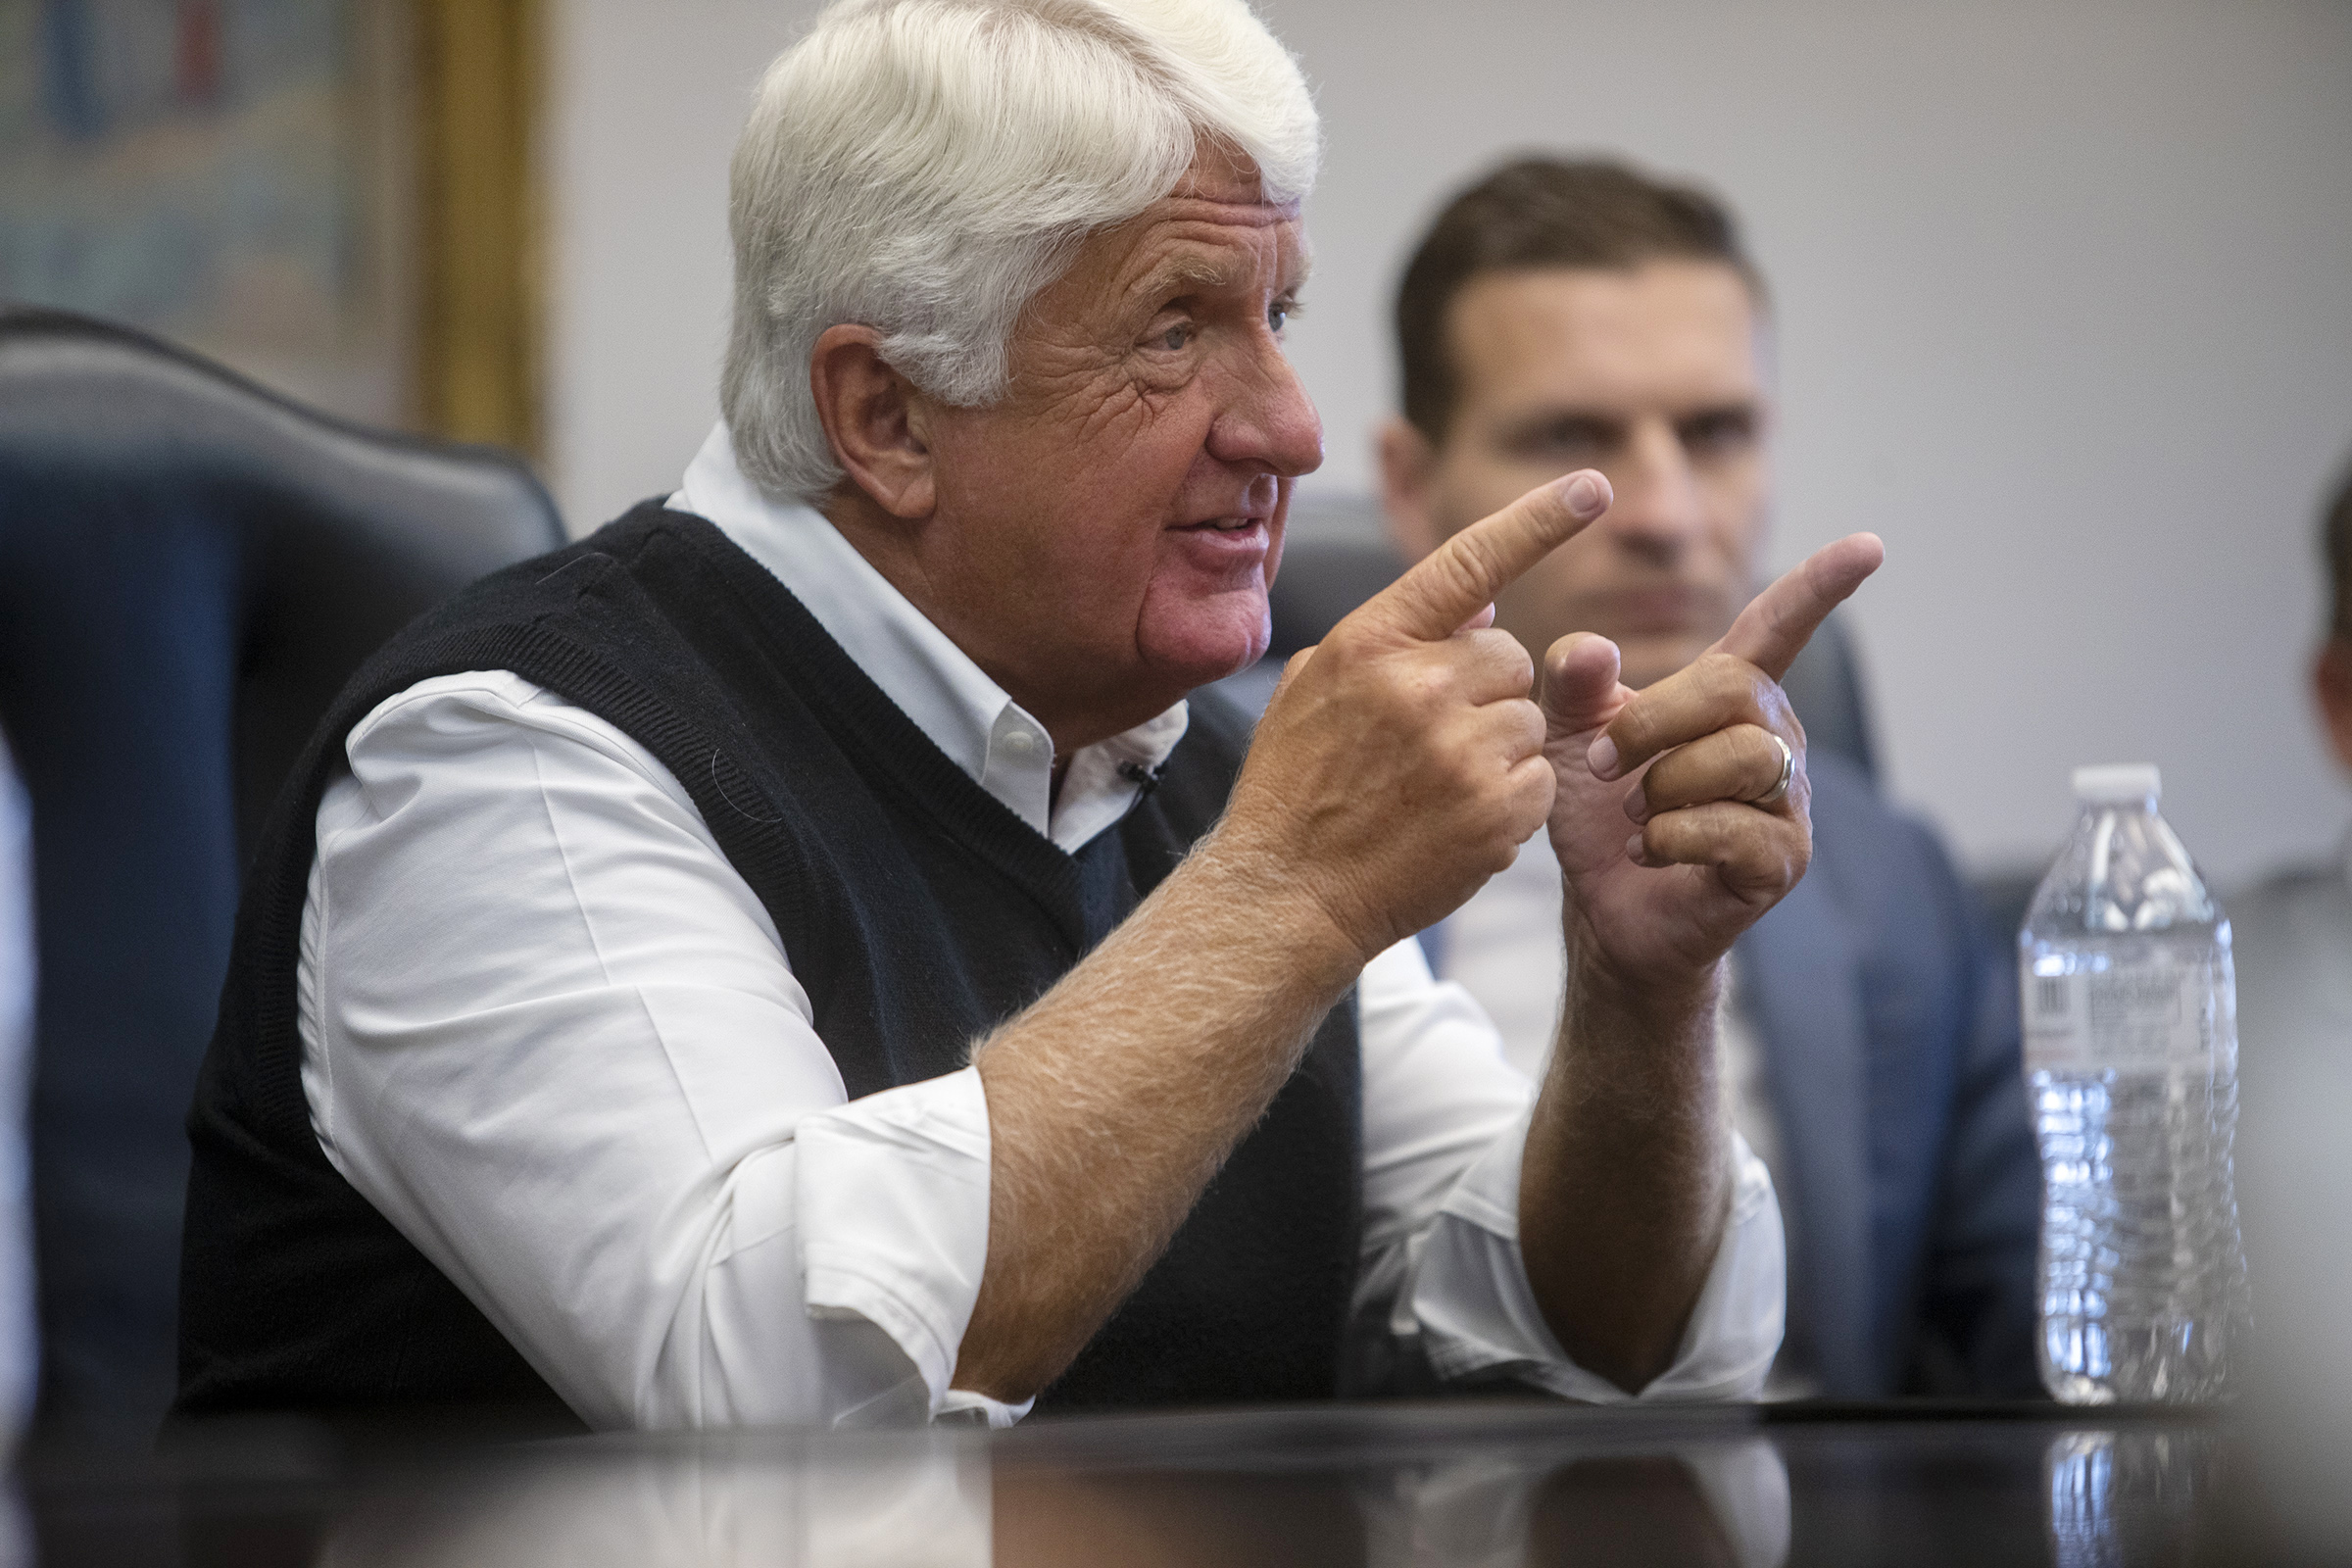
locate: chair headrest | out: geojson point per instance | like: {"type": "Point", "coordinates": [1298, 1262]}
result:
{"type": "Point", "coordinates": [94, 408]}
{"type": "Point", "coordinates": [139, 479]}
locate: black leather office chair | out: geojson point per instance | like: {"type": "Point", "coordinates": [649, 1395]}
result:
{"type": "Point", "coordinates": [1323, 578]}
{"type": "Point", "coordinates": [190, 566]}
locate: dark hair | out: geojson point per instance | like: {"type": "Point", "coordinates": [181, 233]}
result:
{"type": "Point", "coordinates": [2335, 538]}
{"type": "Point", "coordinates": [1545, 212]}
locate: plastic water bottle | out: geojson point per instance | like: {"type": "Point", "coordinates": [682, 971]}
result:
{"type": "Point", "coordinates": [2131, 1048]}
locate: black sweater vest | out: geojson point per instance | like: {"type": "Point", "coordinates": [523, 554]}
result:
{"type": "Point", "coordinates": [917, 913]}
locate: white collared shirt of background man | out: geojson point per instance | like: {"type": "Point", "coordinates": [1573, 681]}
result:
{"type": "Point", "coordinates": [552, 1036]}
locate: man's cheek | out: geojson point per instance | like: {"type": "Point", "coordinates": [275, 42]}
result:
{"type": "Point", "coordinates": [1111, 411]}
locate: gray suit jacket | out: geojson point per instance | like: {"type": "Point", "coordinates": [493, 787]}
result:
{"type": "Point", "coordinates": [1891, 1039]}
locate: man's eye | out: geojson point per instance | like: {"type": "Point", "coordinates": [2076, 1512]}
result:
{"type": "Point", "coordinates": [1173, 338]}
{"type": "Point", "coordinates": [1278, 313]}
{"type": "Point", "coordinates": [1570, 441]}
{"type": "Point", "coordinates": [1719, 432]}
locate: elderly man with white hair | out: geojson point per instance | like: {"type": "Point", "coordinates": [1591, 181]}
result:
{"type": "Point", "coordinates": [797, 955]}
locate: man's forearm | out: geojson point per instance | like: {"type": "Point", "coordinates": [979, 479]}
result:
{"type": "Point", "coordinates": [1625, 1185]}
{"type": "Point", "coordinates": [1114, 1099]}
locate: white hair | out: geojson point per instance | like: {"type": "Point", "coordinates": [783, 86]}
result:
{"type": "Point", "coordinates": [925, 167]}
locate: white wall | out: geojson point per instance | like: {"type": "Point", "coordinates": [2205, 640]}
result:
{"type": "Point", "coordinates": [2065, 296]}
{"type": "Point", "coordinates": [644, 98]}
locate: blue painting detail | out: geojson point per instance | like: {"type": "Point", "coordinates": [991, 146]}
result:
{"type": "Point", "coordinates": [69, 76]}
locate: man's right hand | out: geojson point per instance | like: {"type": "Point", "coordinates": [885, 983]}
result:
{"type": "Point", "coordinates": [1398, 768]}
{"type": "Point", "coordinates": [1401, 765]}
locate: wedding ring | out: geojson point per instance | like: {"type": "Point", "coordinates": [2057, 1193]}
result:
{"type": "Point", "coordinates": [1780, 788]}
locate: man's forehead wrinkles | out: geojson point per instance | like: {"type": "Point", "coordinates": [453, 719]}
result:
{"type": "Point", "coordinates": [1222, 210]}
{"type": "Point", "coordinates": [1209, 262]}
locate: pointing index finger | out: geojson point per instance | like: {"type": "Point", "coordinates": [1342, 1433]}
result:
{"type": "Point", "coordinates": [1461, 576]}
{"type": "Point", "coordinates": [1777, 622]}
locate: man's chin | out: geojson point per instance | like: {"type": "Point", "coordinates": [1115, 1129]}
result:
{"type": "Point", "coordinates": [1206, 670]}
{"type": "Point", "coordinates": [1213, 640]}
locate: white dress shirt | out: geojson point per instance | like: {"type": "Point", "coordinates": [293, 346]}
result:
{"type": "Point", "coordinates": [552, 1035]}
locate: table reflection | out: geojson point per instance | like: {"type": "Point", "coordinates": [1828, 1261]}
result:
{"type": "Point", "coordinates": [1484, 1483]}
{"type": "Point", "coordinates": [1721, 1502]}
{"type": "Point", "coordinates": [1075, 1496]}
{"type": "Point", "coordinates": [922, 1500]}
{"type": "Point", "coordinates": [2127, 1496]}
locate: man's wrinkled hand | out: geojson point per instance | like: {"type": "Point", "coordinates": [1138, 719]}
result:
{"type": "Point", "coordinates": [1664, 816]}
{"type": "Point", "coordinates": [1400, 762]}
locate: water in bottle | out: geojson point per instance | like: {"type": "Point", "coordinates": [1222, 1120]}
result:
{"type": "Point", "coordinates": [2131, 1048]}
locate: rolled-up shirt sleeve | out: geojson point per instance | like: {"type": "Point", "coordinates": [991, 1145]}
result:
{"type": "Point", "coordinates": [1442, 1294]}
{"type": "Point", "coordinates": [552, 1035]}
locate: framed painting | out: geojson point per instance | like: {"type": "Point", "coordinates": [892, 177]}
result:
{"type": "Point", "coordinates": [334, 196]}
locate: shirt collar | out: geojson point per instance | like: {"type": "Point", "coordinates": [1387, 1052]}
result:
{"type": "Point", "coordinates": [918, 666]}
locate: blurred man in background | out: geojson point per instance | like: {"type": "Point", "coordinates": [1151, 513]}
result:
{"type": "Point", "coordinates": [2294, 931]}
{"type": "Point", "coordinates": [1561, 316]}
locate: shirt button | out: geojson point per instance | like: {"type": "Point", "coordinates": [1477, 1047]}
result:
{"type": "Point", "coordinates": [1020, 743]}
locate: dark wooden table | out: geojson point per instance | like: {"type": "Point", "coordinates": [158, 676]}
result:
{"type": "Point", "coordinates": [1475, 1482]}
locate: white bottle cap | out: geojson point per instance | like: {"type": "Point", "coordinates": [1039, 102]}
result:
{"type": "Point", "coordinates": [2118, 783]}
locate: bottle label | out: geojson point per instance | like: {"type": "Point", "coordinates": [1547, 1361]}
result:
{"type": "Point", "coordinates": [2118, 1020]}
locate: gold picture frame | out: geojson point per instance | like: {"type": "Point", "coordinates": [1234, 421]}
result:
{"type": "Point", "coordinates": [478, 261]}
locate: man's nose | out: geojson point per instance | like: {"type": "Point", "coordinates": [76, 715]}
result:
{"type": "Point", "coordinates": [1267, 419]}
{"type": "Point", "coordinates": [1658, 504]}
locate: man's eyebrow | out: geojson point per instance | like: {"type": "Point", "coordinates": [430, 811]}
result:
{"type": "Point", "coordinates": [1201, 272]}
{"type": "Point", "coordinates": [1536, 421]}
{"type": "Point", "coordinates": [1747, 410]}
{"type": "Point", "coordinates": [1586, 413]}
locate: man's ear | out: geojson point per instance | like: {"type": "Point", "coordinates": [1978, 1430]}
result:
{"type": "Point", "coordinates": [2331, 683]}
{"type": "Point", "coordinates": [1407, 472]}
{"type": "Point", "coordinates": [876, 418]}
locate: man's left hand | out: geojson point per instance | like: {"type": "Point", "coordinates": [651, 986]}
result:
{"type": "Point", "coordinates": [1664, 820]}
